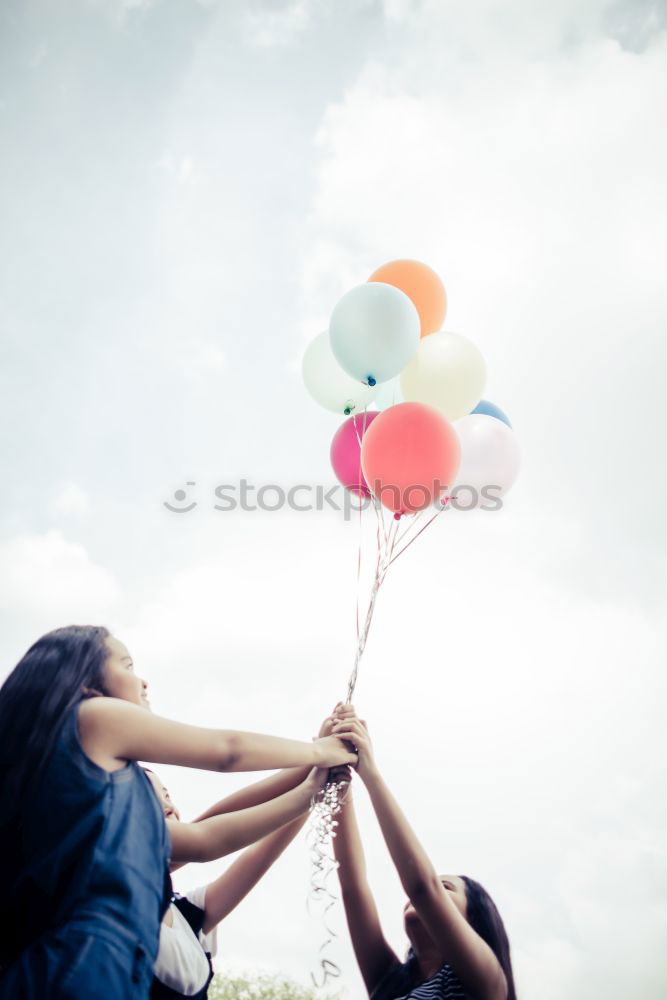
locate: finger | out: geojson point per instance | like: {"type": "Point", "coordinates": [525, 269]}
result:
{"type": "Point", "coordinates": [349, 725]}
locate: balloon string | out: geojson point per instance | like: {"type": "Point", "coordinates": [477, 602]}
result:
{"type": "Point", "coordinates": [359, 438]}
{"type": "Point", "coordinates": [382, 563]}
{"type": "Point", "coordinates": [423, 528]}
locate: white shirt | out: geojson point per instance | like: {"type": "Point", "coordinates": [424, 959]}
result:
{"type": "Point", "coordinates": [181, 963]}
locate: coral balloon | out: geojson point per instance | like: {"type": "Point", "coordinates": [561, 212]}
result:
{"type": "Point", "coordinates": [409, 456]}
{"type": "Point", "coordinates": [374, 332]}
{"type": "Point", "coordinates": [447, 372]}
{"type": "Point", "coordinates": [328, 384]}
{"type": "Point", "coordinates": [421, 284]}
{"type": "Point", "coordinates": [490, 461]}
{"type": "Point", "coordinates": [491, 410]}
{"type": "Point", "coordinates": [345, 453]}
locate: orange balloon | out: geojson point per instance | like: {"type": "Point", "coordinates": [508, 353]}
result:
{"type": "Point", "coordinates": [421, 284]}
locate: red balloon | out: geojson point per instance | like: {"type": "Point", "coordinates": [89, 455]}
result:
{"type": "Point", "coordinates": [345, 452]}
{"type": "Point", "coordinates": [410, 456]}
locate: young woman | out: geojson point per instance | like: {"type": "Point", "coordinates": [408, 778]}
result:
{"type": "Point", "coordinates": [459, 948]}
{"type": "Point", "coordinates": [82, 835]}
{"type": "Point", "coordinates": [188, 931]}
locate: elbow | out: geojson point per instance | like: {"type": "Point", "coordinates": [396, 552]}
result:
{"type": "Point", "coordinates": [208, 847]}
{"type": "Point", "coordinates": [420, 886]}
{"type": "Point", "coordinates": [230, 752]}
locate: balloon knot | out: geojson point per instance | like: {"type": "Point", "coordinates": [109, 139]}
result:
{"type": "Point", "coordinates": [371, 380]}
{"type": "Point", "coordinates": [347, 411]}
{"type": "Point", "coordinates": [397, 516]}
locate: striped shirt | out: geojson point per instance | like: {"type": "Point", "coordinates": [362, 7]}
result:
{"type": "Point", "coordinates": [444, 985]}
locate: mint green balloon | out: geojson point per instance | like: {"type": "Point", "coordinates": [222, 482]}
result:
{"type": "Point", "coordinates": [374, 331]}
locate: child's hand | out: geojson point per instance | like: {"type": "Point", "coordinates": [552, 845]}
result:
{"type": "Point", "coordinates": [331, 752]}
{"type": "Point", "coordinates": [321, 776]}
{"type": "Point", "coordinates": [327, 726]}
{"type": "Point", "coordinates": [355, 731]}
{"type": "Point", "coordinates": [342, 776]}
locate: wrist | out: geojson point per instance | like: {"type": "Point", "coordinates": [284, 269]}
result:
{"type": "Point", "coordinates": [318, 754]}
{"type": "Point", "coordinates": [370, 774]}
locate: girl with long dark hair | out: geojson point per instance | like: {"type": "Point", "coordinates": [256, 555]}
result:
{"type": "Point", "coordinates": [459, 948]}
{"type": "Point", "coordinates": [82, 835]}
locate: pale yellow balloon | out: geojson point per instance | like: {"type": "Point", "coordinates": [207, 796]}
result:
{"type": "Point", "coordinates": [447, 372]}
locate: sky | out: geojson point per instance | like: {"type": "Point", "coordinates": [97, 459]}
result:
{"type": "Point", "coordinates": [186, 189]}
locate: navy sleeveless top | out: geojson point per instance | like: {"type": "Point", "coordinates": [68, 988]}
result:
{"type": "Point", "coordinates": [398, 984]}
{"type": "Point", "coordinates": [92, 845]}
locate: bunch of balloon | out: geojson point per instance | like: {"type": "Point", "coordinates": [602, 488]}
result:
{"type": "Point", "coordinates": [431, 438]}
{"type": "Point", "coordinates": [430, 435]}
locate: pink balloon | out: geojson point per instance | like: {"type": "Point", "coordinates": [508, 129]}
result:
{"type": "Point", "coordinates": [345, 453]}
{"type": "Point", "coordinates": [410, 456]}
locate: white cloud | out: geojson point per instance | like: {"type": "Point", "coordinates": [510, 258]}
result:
{"type": "Point", "coordinates": [269, 26]}
{"type": "Point", "coordinates": [47, 579]}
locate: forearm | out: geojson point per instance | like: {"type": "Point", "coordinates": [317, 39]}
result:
{"type": "Point", "coordinates": [262, 791]}
{"type": "Point", "coordinates": [410, 859]}
{"type": "Point", "coordinates": [348, 848]}
{"type": "Point", "coordinates": [221, 835]}
{"type": "Point", "coordinates": [256, 860]}
{"type": "Point", "coordinates": [256, 752]}
{"type": "Point", "coordinates": [230, 888]}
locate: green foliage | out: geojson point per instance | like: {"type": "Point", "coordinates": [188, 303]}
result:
{"type": "Point", "coordinates": [259, 986]}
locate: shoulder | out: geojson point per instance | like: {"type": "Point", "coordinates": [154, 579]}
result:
{"type": "Point", "coordinates": [96, 710]}
{"type": "Point", "coordinates": [99, 721]}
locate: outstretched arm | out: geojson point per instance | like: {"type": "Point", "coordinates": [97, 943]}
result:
{"type": "Point", "coordinates": [114, 731]}
{"type": "Point", "coordinates": [260, 791]}
{"type": "Point", "coordinates": [218, 836]}
{"type": "Point", "coordinates": [469, 955]}
{"type": "Point", "coordinates": [226, 892]}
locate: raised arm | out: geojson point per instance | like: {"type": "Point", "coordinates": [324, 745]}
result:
{"type": "Point", "coordinates": [374, 955]}
{"type": "Point", "coordinates": [218, 836]}
{"type": "Point", "coordinates": [226, 892]}
{"type": "Point", "coordinates": [260, 791]}
{"type": "Point", "coordinates": [114, 731]}
{"type": "Point", "coordinates": [469, 955]}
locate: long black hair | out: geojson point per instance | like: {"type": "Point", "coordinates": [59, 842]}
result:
{"type": "Point", "coordinates": [58, 671]}
{"type": "Point", "coordinates": [483, 917]}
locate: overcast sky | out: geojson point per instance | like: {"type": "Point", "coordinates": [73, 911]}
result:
{"type": "Point", "coordinates": [186, 190]}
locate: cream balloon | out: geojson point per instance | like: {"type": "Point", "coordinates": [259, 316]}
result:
{"type": "Point", "coordinates": [328, 384]}
{"type": "Point", "coordinates": [490, 462]}
{"type": "Point", "coordinates": [447, 372]}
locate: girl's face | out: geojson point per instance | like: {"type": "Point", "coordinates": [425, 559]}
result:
{"type": "Point", "coordinates": [164, 798]}
{"type": "Point", "coordinates": [120, 680]}
{"type": "Point", "coordinates": [455, 888]}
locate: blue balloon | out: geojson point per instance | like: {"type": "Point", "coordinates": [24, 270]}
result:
{"type": "Point", "coordinates": [491, 410]}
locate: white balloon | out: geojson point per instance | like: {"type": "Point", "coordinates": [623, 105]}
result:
{"type": "Point", "coordinates": [447, 372]}
{"type": "Point", "coordinates": [328, 384]}
{"type": "Point", "coordinates": [490, 461]}
{"type": "Point", "coordinates": [374, 331]}
{"type": "Point", "coordinates": [389, 394]}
